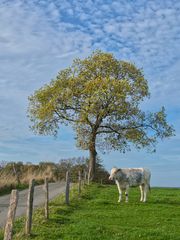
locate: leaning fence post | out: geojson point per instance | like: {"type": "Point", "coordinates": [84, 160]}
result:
{"type": "Point", "coordinates": [79, 183]}
{"type": "Point", "coordinates": [11, 215]}
{"type": "Point", "coordinates": [46, 189]}
{"type": "Point", "coordinates": [67, 188]}
{"type": "Point", "coordinates": [29, 207]}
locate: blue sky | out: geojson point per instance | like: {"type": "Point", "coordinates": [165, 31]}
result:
{"type": "Point", "coordinates": [39, 38]}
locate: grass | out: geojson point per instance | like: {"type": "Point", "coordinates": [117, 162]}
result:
{"type": "Point", "coordinates": [7, 189]}
{"type": "Point", "coordinates": [97, 215]}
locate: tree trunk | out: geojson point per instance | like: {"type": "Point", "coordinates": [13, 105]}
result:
{"type": "Point", "coordinates": [92, 161]}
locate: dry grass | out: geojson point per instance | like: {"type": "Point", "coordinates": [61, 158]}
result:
{"type": "Point", "coordinates": [9, 179]}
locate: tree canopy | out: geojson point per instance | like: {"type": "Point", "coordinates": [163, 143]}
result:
{"type": "Point", "coordinates": [100, 98]}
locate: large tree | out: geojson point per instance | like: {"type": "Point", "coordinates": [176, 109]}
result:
{"type": "Point", "coordinates": [100, 98]}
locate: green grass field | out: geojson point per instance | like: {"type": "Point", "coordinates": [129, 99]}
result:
{"type": "Point", "coordinates": [97, 215]}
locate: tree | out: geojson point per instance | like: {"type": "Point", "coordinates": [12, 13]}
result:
{"type": "Point", "coordinates": [73, 165]}
{"type": "Point", "coordinates": [100, 98]}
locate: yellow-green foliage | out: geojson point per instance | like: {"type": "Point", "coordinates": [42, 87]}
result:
{"type": "Point", "coordinates": [99, 96]}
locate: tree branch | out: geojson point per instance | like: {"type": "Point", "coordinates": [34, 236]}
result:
{"type": "Point", "coordinates": [113, 130]}
{"type": "Point", "coordinates": [64, 117]}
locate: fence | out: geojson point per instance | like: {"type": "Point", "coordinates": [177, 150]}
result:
{"type": "Point", "coordinates": [81, 180]}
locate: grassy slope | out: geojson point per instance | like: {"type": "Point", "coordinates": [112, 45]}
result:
{"type": "Point", "coordinates": [97, 215]}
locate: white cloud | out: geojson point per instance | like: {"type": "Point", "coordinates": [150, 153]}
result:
{"type": "Point", "coordinates": [32, 52]}
{"type": "Point", "coordinates": [38, 38]}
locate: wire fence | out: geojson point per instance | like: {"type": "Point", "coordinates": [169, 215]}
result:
{"type": "Point", "coordinates": [80, 181]}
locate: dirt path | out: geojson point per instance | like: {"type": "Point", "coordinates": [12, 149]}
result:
{"type": "Point", "coordinates": [54, 190]}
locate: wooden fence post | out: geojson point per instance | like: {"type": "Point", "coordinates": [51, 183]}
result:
{"type": "Point", "coordinates": [11, 215]}
{"type": "Point", "coordinates": [29, 207]}
{"type": "Point", "coordinates": [67, 188]}
{"type": "Point", "coordinates": [85, 176]}
{"type": "Point", "coordinates": [46, 189]}
{"type": "Point", "coordinates": [89, 176]}
{"type": "Point", "coordinates": [79, 184]}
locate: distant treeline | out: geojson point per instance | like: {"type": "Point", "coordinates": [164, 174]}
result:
{"type": "Point", "coordinates": [18, 173]}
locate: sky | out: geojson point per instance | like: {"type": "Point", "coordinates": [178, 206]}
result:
{"type": "Point", "coordinates": [38, 38]}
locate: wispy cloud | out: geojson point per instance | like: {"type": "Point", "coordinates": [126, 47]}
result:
{"type": "Point", "coordinates": [39, 37]}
